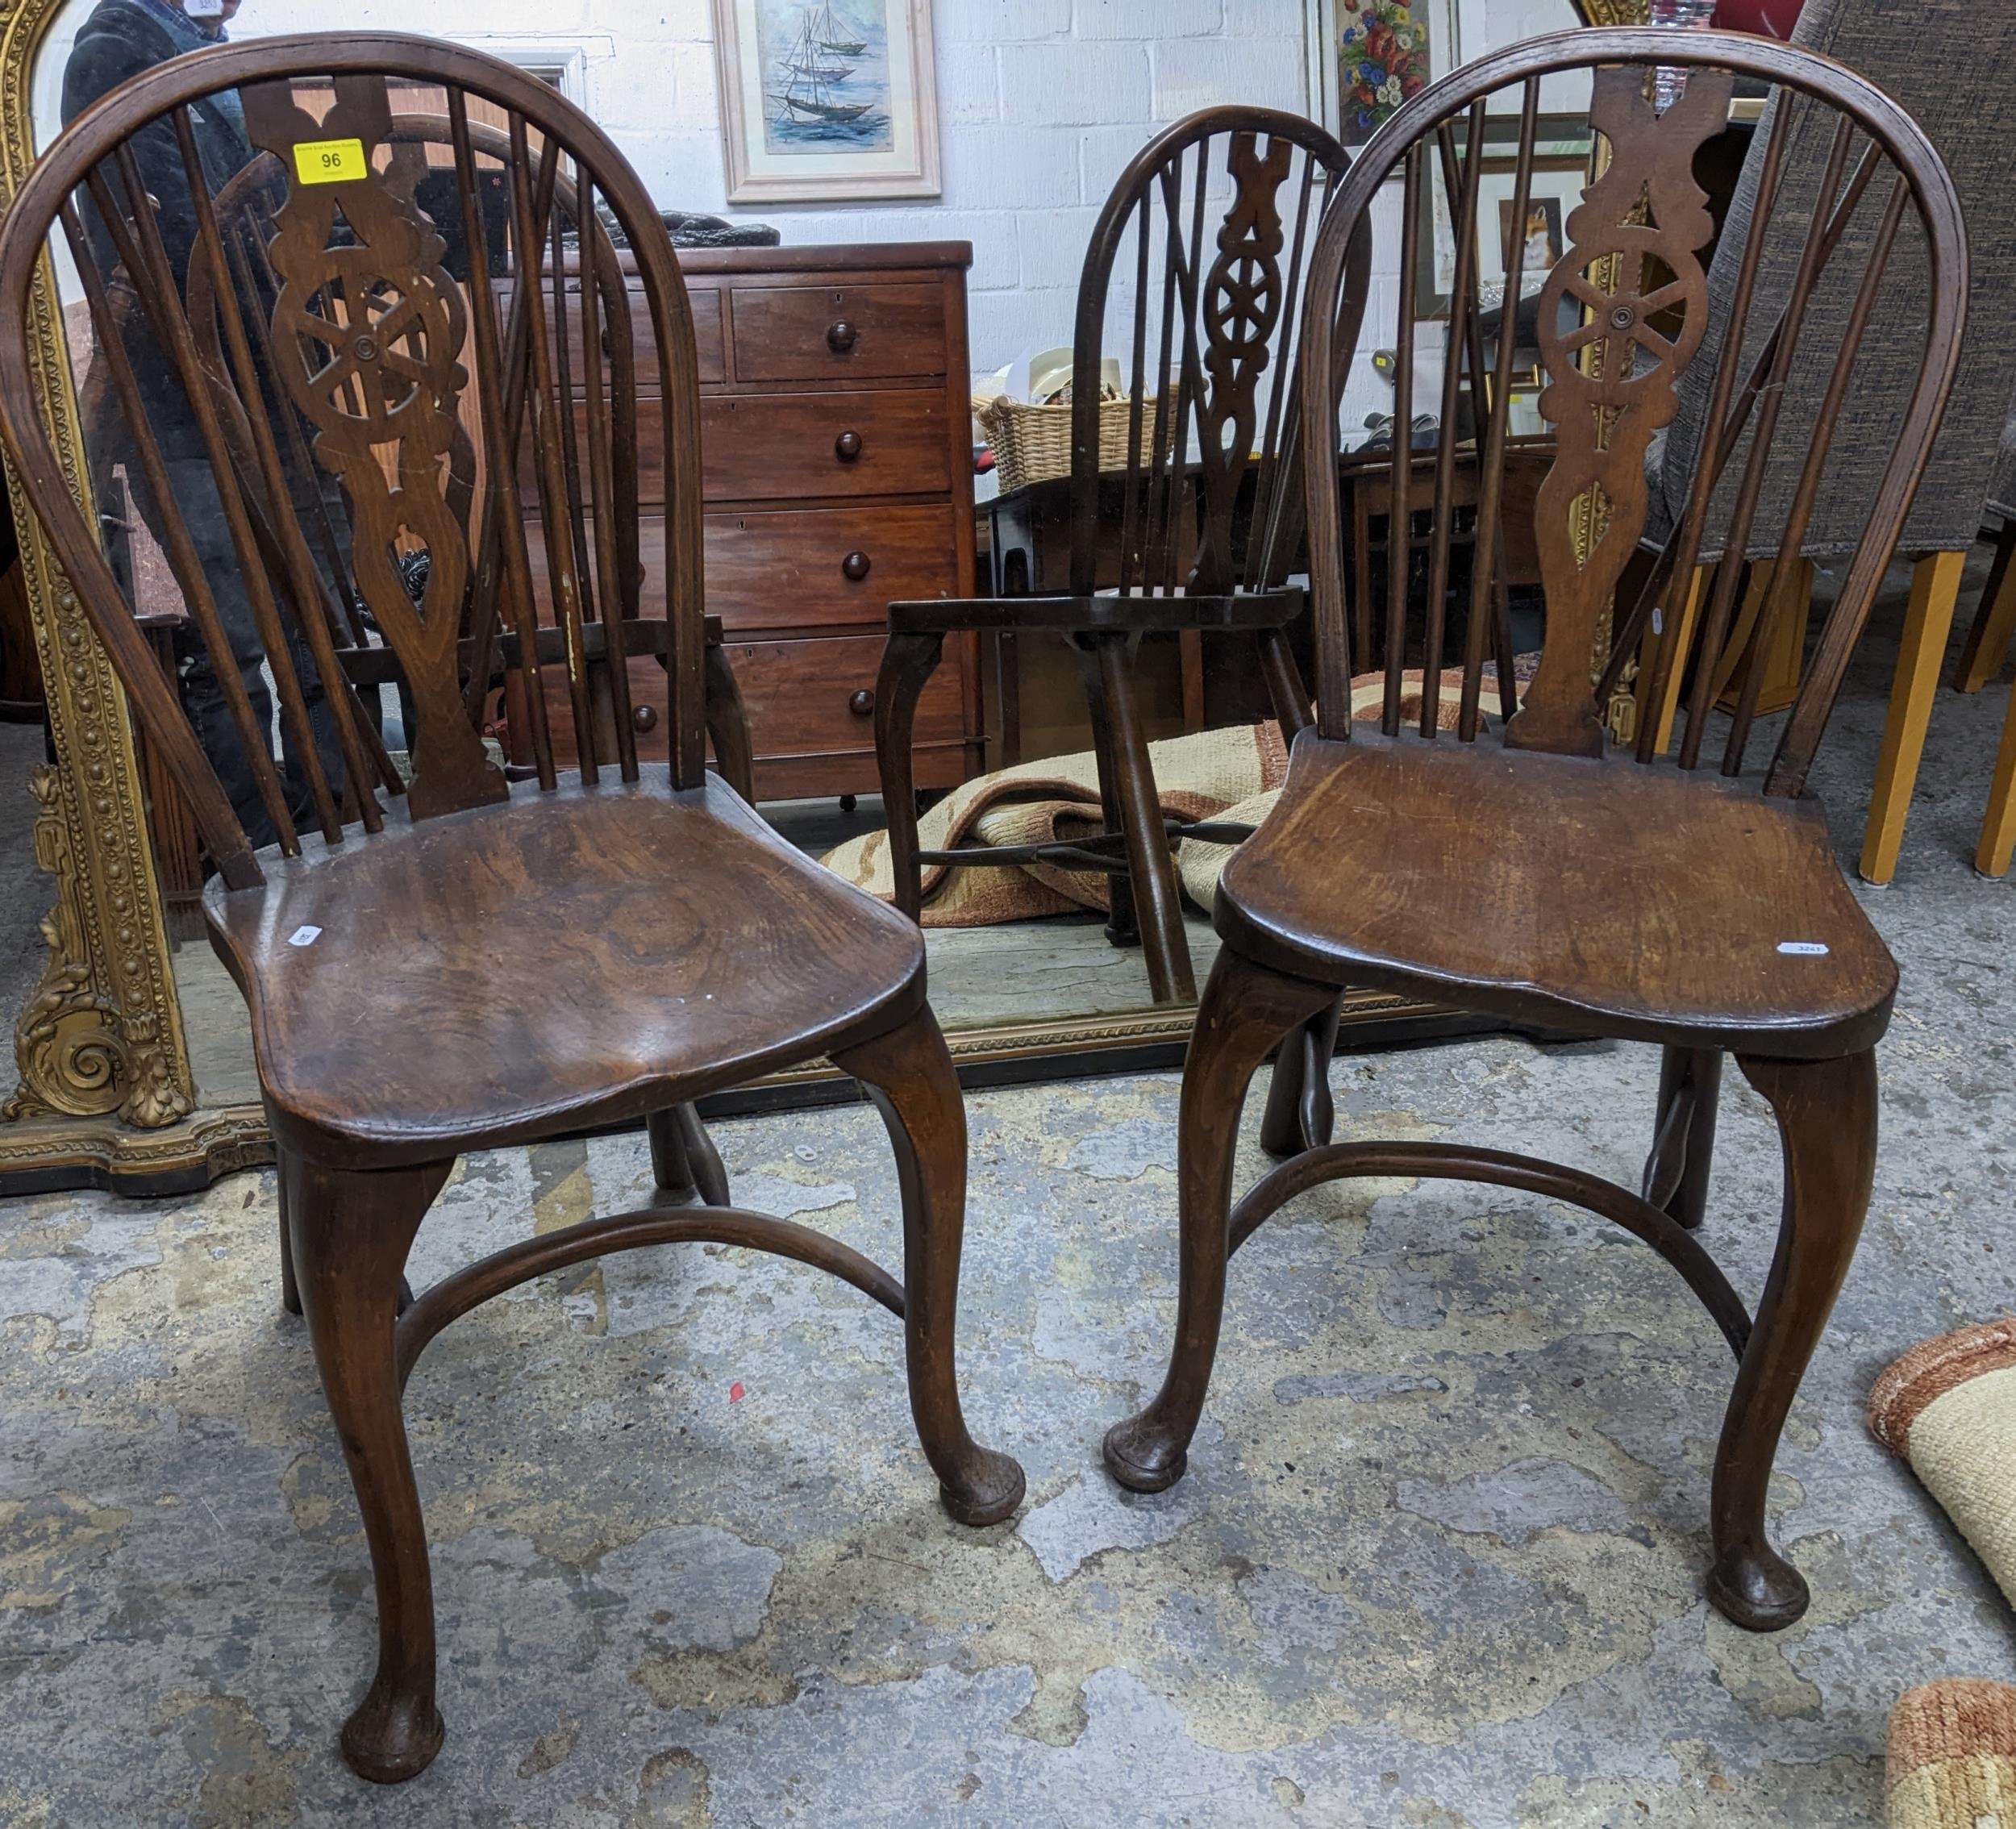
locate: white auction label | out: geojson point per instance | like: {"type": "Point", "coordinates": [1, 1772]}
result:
{"type": "Point", "coordinates": [304, 936]}
{"type": "Point", "coordinates": [1803, 948]}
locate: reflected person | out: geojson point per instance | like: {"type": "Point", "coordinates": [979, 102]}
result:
{"type": "Point", "coordinates": [120, 40]}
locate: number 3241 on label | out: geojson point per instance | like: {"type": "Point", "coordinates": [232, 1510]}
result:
{"type": "Point", "coordinates": [330, 161]}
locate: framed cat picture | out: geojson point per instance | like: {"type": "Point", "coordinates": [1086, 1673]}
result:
{"type": "Point", "coordinates": [826, 100]}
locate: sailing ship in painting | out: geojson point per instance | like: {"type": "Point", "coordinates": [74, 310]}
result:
{"type": "Point", "coordinates": [830, 86]}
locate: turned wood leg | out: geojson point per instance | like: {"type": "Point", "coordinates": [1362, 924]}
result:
{"type": "Point", "coordinates": [1247, 1009]}
{"type": "Point", "coordinates": [290, 1290]}
{"type": "Point", "coordinates": [352, 1231]}
{"type": "Point", "coordinates": [1826, 1114]}
{"type": "Point", "coordinates": [1988, 635]}
{"type": "Point", "coordinates": [1123, 928]}
{"type": "Point", "coordinates": [684, 1164]}
{"type": "Point", "coordinates": [1928, 619]}
{"type": "Point", "coordinates": [1158, 901]}
{"type": "Point", "coordinates": [727, 721]}
{"type": "Point", "coordinates": [909, 1074]}
{"type": "Point", "coordinates": [1998, 840]}
{"type": "Point", "coordinates": [1300, 1114]}
{"type": "Point", "coordinates": [1286, 695]}
{"type": "Point", "coordinates": [1684, 1134]}
{"type": "Point", "coordinates": [908, 663]}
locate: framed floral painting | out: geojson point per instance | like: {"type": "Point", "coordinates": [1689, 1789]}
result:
{"type": "Point", "coordinates": [1372, 55]}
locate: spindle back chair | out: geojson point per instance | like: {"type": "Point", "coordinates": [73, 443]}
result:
{"type": "Point", "coordinates": [1195, 270]}
{"type": "Point", "coordinates": [452, 961]}
{"type": "Point", "coordinates": [1524, 872]}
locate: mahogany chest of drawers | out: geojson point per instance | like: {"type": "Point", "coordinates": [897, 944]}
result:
{"type": "Point", "coordinates": [836, 461]}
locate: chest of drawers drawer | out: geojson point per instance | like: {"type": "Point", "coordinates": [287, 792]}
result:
{"type": "Point", "coordinates": [709, 343]}
{"type": "Point", "coordinates": [836, 475]}
{"type": "Point", "coordinates": [771, 447]}
{"type": "Point", "coordinates": [806, 702]}
{"type": "Point", "coordinates": [783, 447]}
{"type": "Point", "coordinates": [825, 567]}
{"type": "Point", "coordinates": [834, 334]}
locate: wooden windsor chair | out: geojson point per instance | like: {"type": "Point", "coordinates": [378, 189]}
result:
{"type": "Point", "coordinates": [1529, 874]}
{"type": "Point", "coordinates": [1209, 322]}
{"type": "Point", "coordinates": [448, 964]}
{"type": "Point", "coordinates": [244, 207]}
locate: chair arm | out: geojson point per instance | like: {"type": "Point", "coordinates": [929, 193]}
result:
{"type": "Point", "coordinates": [1107, 613]}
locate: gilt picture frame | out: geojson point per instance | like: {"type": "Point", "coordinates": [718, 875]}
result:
{"type": "Point", "coordinates": [1558, 181]}
{"type": "Point", "coordinates": [827, 101]}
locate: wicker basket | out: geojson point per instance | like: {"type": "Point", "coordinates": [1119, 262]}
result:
{"type": "Point", "coordinates": [1033, 443]}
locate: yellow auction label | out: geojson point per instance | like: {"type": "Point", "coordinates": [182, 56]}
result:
{"type": "Point", "coordinates": [330, 161]}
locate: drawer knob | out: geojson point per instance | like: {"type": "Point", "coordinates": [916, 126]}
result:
{"type": "Point", "coordinates": [856, 566]}
{"type": "Point", "coordinates": [847, 446]}
{"type": "Point", "coordinates": [645, 717]}
{"type": "Point", "coordinates": [862, 704]}
{"type": "Point", "coordinates": [840, 335]}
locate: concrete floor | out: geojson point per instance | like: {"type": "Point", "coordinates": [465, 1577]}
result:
{"type": "Point", "coordinates": [1437, 1563]}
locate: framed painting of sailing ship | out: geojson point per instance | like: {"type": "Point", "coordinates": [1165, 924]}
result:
{"type": "Point", "coordinates": [826, 100]}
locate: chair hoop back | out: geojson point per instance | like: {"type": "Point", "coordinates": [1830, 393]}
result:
{"type": "Point", "coordinates": [1203, 244]}
{"type": "Point", "coordinates": [1620, 307]}
{"type": "Point", "coordinates": [354, 383]}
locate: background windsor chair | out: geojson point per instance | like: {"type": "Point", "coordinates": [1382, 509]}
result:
{"type": "Point", "coordinates": [1530, 874]}
{"type": "Point", "coordinates": [444, 964]}
{"type": "Point", "coordinates": [1194, 272]}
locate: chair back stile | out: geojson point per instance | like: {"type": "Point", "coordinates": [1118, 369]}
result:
{"type": "Point", "coordinates": [1618, 311]}
{"type": "Point", "coordinates": [352, 386]}
{"type": "Point", "coordinates": [1202, 247]}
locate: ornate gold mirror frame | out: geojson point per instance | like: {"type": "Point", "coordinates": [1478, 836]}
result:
{"type": "Point", "coordinates": [105, 1095]}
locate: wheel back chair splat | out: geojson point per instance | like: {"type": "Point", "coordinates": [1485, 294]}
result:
{"type": "Point", "coordinates": [244, 207]}
{"type": "Point", "coordinates": [1196, 263]}
{"type": "Point", "coordinates": [457, 962]}
{"type": "Point", "coordinates": [1525, 872]}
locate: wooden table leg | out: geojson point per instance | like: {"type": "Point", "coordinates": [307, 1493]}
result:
{"type": "Point", "coordinates": [1994, 623]}
{"type": "Point", "coordinates": [1936, 585]}
{"type": "Point", "coordinates": [1998, 828]}
{"type": "Point", "coordinates": [1190, 652]}
{"type": "Point", "coordinates": [1663, 713]}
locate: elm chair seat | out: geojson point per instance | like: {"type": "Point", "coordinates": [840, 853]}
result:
{"type": "Point", "coordinates": [695, 952]}
{"type": "Point", "coordinates": [1540, 886]}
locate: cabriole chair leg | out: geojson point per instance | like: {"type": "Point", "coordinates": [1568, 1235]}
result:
{"type": "Point", "coordinates": [909, 1074]}
{"type": "Point", "coordinates": [1827, 1112]}
{"type": "Point", "coordinates": [1246, 1010]}
{"type": "Point", "coordinates": [352, 1231]}
{"type": "Point", "coordinates": [685, 1167]}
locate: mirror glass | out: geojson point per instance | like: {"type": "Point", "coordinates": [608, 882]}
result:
{"type": "Point", "coordinates": [1025, 956]}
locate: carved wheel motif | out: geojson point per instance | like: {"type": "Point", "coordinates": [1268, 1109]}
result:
{"type": "Point", "coordinates": [1632, 261]}
{"type": "Point", "coordinates": [377, 324]}
{"type": "Point", "coordinates": [1241, 308]}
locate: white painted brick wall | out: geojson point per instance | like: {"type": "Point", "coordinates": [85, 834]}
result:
{"type": "Point", "coordinates": [1040, 104]}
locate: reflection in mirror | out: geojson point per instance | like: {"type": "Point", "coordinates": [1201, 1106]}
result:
{"type": "Point", "coordinates": [285, 756]}
{"type": "Point", "coordinates": [24, 888]}
{"type": "Point", "coordinates": [812, 527]}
